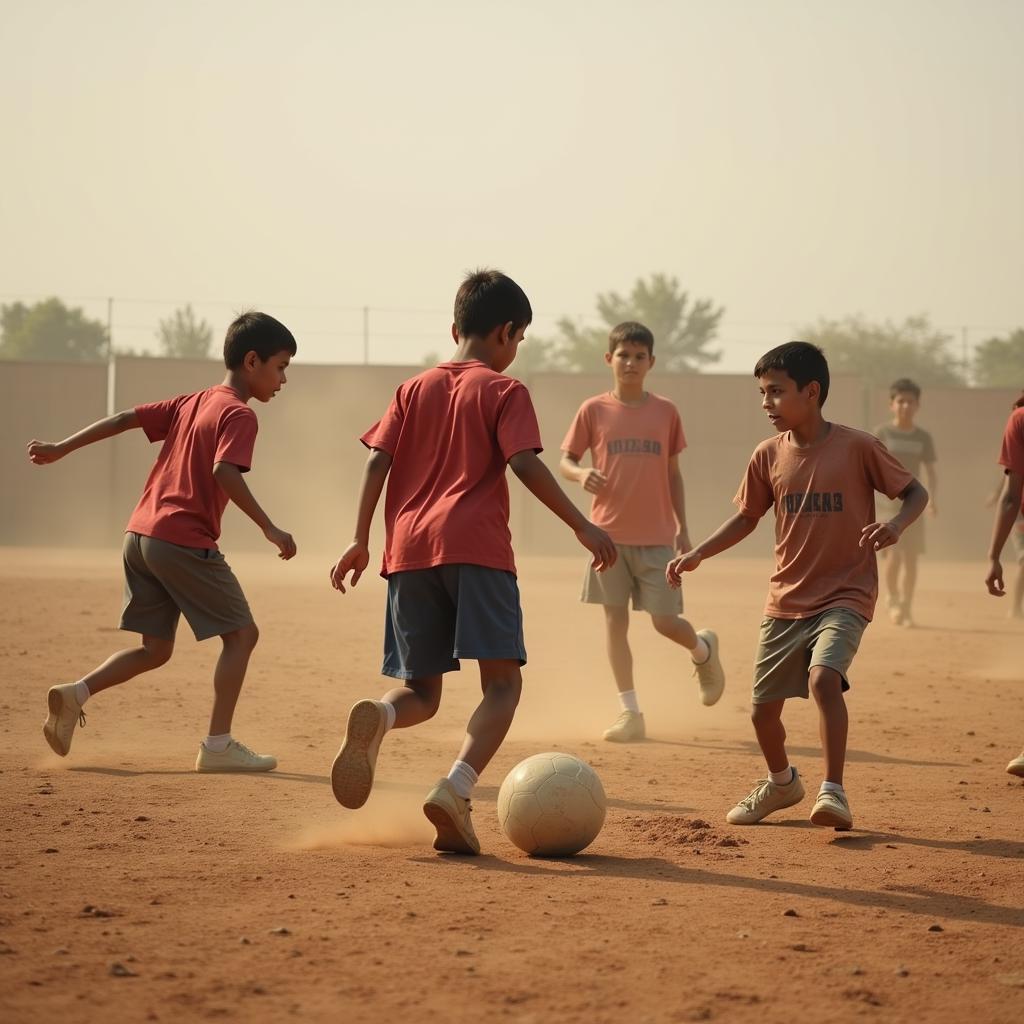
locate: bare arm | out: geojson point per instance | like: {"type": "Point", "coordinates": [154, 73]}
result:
{"type": "Point", "coordinates": [43, 452]}
{"type": "Point", "coordinates": [592, 480]}
{"type": "Point", "coordinates": [1007, 511]}
{"type": "Point", "coordinates": [730, 533]}
{"type": "Point", "coordinates": [881, 535]}
{"type": "Point", "coordinates": [229, 478]}
{"type": "Point", "coordinates": [356, 556]}
{"type": "Point", "coordinates": [677, 493]}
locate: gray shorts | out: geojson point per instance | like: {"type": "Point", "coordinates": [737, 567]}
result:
{"type": "Point", "coordinates": [638, 575]}
{"type": "Point", "coordinates": [163, 581]}
{"type": "Point", "coordinates": [790, 648]}
{"type": "Point", "coordinates": [437, 616]}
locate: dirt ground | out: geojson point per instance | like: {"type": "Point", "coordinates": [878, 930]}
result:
{"type": "Point", "coordinates": [260, 899]}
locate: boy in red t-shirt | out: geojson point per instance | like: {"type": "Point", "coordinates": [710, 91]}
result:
{"type": "Point", "coordinates": [821, 480]}
{"type": "Point", "coordinates": [442, 447]}
{"type": "Point", "coordinates": [171, 563]}
{"type": "Point", "coordinates": [635, 438]}
{"type": "Point", "coordinates": [1009, 507]}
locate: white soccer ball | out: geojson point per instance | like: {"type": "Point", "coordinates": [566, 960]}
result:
{"type": "Point", "coordinates": [551, 805]}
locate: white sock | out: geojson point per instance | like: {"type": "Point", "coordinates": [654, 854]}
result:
{"type": "Point", "coordinates": [831, 787]}
{"type": "Point", "coordinates": [217, 744]}
{"type": "Point", "coordinates": [701, 652]}
{"type": "Point", "coordinates": [783, 778]}
{"type": "Point", "coordinates": [389, 714]}
{"type": "Point", "coordinates": [629, 701]}
{"type": "Point", "coordinates": [463, 778]}
{"type": "Point", "coordinates": [82, 693]}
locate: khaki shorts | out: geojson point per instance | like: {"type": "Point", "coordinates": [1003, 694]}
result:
{"type": "Point", "coordinates": [163, 581]}
{"type": "Point", "coordinates": [638, 574]}
{"type": "Point", "coordinates": [790, 648]}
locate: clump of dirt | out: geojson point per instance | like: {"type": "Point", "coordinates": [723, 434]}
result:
{"type": "Point", "coordinates": [670, 830]}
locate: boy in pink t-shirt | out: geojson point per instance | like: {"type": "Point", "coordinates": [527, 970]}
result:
{"type": "Point", "coordinates": [820, 479]}
{"type": "Point", "coordinates": [171, 562]}
{"type": "Point", "coordinates": [442, 447]}
{"type": "Point", "coordinates": [634, 438]}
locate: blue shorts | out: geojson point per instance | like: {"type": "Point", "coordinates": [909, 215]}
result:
{"type": "Point", "coordinates": [437, 616]}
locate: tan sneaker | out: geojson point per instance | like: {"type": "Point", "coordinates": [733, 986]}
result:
{"type": "Point", "coordinates": [710, 673]}
{"type": "Point", "coordinates": [352, 772]}
{"type": "Point", "coordinates": [627, 728]}
{"type": "Point", "coordinates": [236, 757]}
{"type": "Point", "coordinates": [1016, 766]}
{"type": "Point", "coordinates": [65, 714]}
{"type": "Point", "coordinates": [832, 810]}
{"type": "Point", "coordinates": [765, 799]}
{"type": "Point", "coordinates": [449, 814]}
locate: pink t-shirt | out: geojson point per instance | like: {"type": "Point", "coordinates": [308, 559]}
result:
{"type": "Point", "coordinates": [823, 497]}
{"type": "Point", "coordinates": [631, 445]}
{"type": "Point", "coordinates": [1011, 454]}
{"type": "Point", "coordinates": [450, 432]}
{"type": "Point", "coordinates": [181, 502]}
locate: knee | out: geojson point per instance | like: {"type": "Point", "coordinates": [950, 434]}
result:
{"type": "Point", "coordinates": [431, 702]}
{"type": "Point", "coordinates": [764, 714]}
{"type": "Point", "coordinates": [158, 651]}
{"type": "Point", "coordinates": [507, 690]}
{"type": "Point", "coordinates": [826, 684]}
{"type": "Point", "coordinates": [247, 637]}
{"type": "Point", "coordinates": [617, 621]}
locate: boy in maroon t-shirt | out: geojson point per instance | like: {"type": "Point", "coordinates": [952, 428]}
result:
{"type": "Point", "coordinates": [442, 447]}
{"type": "Point", "coordinates": [171, 562]}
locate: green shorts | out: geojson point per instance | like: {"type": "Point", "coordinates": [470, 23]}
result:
{"type": "Point", "coordinates": [790, 648]}
{"type": "Point", "coordinates": [163, 581]}
{"type": "Point", "coordinates": [638, 574]}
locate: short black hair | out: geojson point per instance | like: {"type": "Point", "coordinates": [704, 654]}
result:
{"type": "Point", "coordinates": [487, 299]}
{"type": "Point", "coordinates": [803, 362]}
{"type": "Point", "coordinates": [632, 331]}
{"type": "Point", "coordinates": [256, 332]}
{"type": "Point", "coordinates": [905, 386]}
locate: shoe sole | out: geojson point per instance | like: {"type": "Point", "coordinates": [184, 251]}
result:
{"type": "Point", "coordinates": [54, 705]}
{"type": "Point", "coordinates": [625, 739]}
{"type": "Point", "coordinates": [234, 770]}
{"type": "Point", "coordinates": [828, 818]}
{"type": "Point", "coordinates": [1016, 770]}
{"type": "Point", "coordinates": [449, 836]}
{"type": "Point", "coordinates": [352, 772]}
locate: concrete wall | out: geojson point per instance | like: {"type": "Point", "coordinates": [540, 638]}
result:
{"type": "Point", "coordinates": [308, 459]}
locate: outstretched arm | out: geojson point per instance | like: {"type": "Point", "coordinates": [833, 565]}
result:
{"type": "Point", "coordinates": [1007, 511]}
{"type": "Point", "coordinates": [356, 556]}
{"type": "Point", "coordinates": [44, 452]}
{"type": "Point", "coordinates": [731, 532]}
{"type": "Point", "coordinates": [231, 482]}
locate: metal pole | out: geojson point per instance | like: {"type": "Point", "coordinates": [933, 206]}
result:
{"type": "Point", "coordinates": [111, 365]}
{"type": "Point", "coordinates": [366, 335]}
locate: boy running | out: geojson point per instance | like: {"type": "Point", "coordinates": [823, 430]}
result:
{"type": "Point", "coordinates": [821, 479]}
{"type": "Point", "coordinates": [172, 566]}
{"type": "Point", "coordinates": [442, 447]}
{"type": "Point", "coordinates": [914, 448]}
{"type": "Point", "coordinates": [635, 438]}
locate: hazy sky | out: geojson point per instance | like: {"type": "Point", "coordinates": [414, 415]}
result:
{"type": "Point", "coordinates": [788, 159]}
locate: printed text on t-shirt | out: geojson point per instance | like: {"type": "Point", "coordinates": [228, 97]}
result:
{"type": "Point", "coordinates": [813, 502]}
{"type": "Point", "coordinates": [633, 445]}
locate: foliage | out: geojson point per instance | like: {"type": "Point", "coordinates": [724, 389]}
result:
{"type": "Point", "coordinates": [999, 362]}
{"type": "Point", "coordinates": [50, 330]}
{"type": "Point", "coordinates": [181, 336]}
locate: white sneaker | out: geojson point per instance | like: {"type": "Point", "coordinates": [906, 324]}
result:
{"type": "Point", "coordinates": [710, 673]}
{"type": "Point", "coordinates": [64, 714]}
{"type": "Point", "coordinates": [832, 810]}
{"type": "Point", "coordinates": [627, 728]}
{"type": "Point", "coordinates": [765, 799]}
{"type": "Point", "coordinates": [236, 757]}
{"type": "Point", "coordinates": [449, 813]}
{"type": "Point", "coordinates": [353, 768]}
{"type": "Point", "coordinates": [1016, 766]}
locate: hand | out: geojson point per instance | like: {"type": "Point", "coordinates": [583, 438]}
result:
{"type": "Point", "coordinates": [599, 544]}
{"type": "Point", "coordinates": [355, 558]}
{"type": "Point", "coordinates": [284, 542]}
{"type": "Point", "coordinates": [682, 542]}
{"type": "Point", "coordinates": [42, 453]}
{"type": "Point", "coordinates": [994, 579]}
{"type": "Point", "coordinates": [879, 535]}
{"type": "Point", "coordinates": [684, 563]}
{"type": "Point", "coordinates": [593, 480]}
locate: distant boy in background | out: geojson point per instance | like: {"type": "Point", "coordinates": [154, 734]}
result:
{"type": "Point", "coordinates": [915, 449]}
{"type": "Point", "coordinates": [1009, 507]}
{"type": "Point", "coordinates": [820, 478]}
{"type": "Point", "coordinates": [634, 438]}
{"type": "Point", "coordinates": [172, 566]}
{"type": "Point", "coordinates": [443, 446]}
{"type": "Point", "coordinates": [1017, 597]}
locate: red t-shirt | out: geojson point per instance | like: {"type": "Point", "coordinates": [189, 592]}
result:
{"type": "Point", "coordinates": [181, 502]}
{"type": "Point", "coordinates": [1011, 455]}
{"type": "Point", "coordinates": [450, 432]}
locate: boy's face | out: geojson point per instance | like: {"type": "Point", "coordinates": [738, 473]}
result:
{"type": "Point", "coordinates": [904, 406]}
{"type": "Point", "coordinates": [630, 362]}
{"type": "Point", "coordinates": [265, 379]}
{"type": "Point", "coordinates": [787, 405]}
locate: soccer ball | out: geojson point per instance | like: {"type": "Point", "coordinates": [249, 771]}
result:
{"type": "Point", "coordinates": [551, 805]}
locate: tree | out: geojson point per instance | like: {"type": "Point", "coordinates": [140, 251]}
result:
{"type": "Point", "coordinates": [999, 362]}
{"type": "Point", "coordinates": [50, 330]}
{"type": "Point", "coordinates": [182, 337]}
{"type": "Point", "coordinates": [883, 352]}
{"type": "Point", "coordinates": [682, 330]}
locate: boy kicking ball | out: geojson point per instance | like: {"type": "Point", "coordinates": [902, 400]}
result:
{"type": "Point", "coordinates": [820, 478]}
{"type": "Point", "coordinates": [442, 447]}
{"type": "Point", "coordinates": [635, 438]}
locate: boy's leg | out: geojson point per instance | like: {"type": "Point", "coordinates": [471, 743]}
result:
{"type": "Point", "coordinates": [833, 720]}
{"type": "Point", "coordinates": [229, 675]}
{"type": "Point", "coordinates": [629, 726]}
{"type": "Point", "coordinates": [703, 647]}
{"type": "Point", "coordinates": [893, 563]}
{"type": "Point", "coordinates": [771, 734]}
{"type": "Point", "coordinates": [909, 584]}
